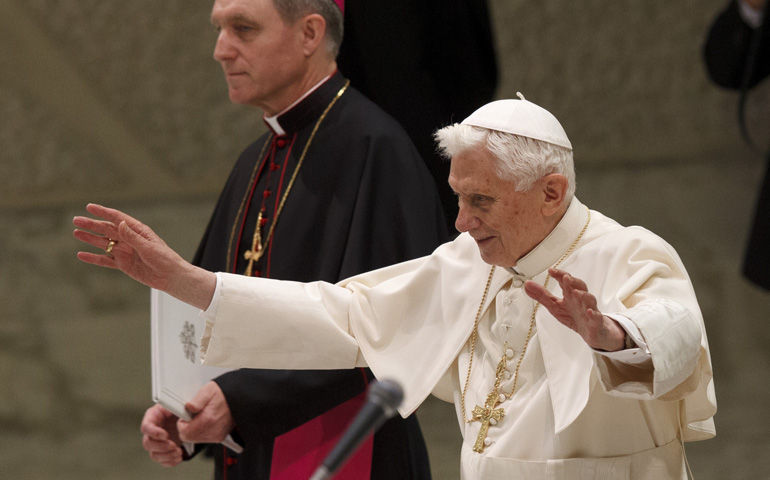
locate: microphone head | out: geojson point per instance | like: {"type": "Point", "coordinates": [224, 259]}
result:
{"type": "Point", "coordinates": [387, 394]}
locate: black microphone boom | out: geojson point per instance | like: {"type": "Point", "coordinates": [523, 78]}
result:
{"type": "Point", "coordinates": [382, 402]}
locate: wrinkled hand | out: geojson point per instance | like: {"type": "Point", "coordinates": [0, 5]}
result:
{"type": "Point", "coordinates": [212, 420]}
{"type": "Point", "coordinates": [578, 311]}
{"type": "Point", "coordinates": [161, 437]}
{"type": "Point", "coordinates": [142, 255]}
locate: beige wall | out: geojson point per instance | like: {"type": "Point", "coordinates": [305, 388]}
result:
{"type": "Point", "coordinates": [121, 103]}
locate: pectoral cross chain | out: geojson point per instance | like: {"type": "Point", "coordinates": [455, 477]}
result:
{"type": "Point", "coordinates": [487, 415]}
{"type": "Point", "coordinates": [255, 253]}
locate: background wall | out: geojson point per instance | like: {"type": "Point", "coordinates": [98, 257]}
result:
{"type": "Point", "coordinates": [121, 103]}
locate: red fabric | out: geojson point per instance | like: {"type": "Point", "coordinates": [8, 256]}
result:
{"type": "Point", "coordinates": [269, 246]}
{"type": "Point", "coordinates": [298, 453]}
{"type": "Point", "coordinates": [341, 4]}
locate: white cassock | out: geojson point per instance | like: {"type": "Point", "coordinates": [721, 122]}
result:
{"type": "Point", "coordinates": [576, 413]}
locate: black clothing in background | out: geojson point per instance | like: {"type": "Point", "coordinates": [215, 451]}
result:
{"type": "Point", "coordinates": [726, 53]}
{"type": "Point", "coordinates": [428, 63]}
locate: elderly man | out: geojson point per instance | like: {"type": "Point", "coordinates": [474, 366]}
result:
{"type": "Point", "coordinates": [572, 347]}
{"type": "Point", "coordinates": [326, 193]}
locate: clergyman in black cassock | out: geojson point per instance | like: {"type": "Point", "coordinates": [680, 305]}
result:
{"type": "Point", "coordinates": [362, 199]}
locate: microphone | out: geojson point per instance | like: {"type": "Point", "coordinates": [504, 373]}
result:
{"type": "Point", "coordinates": [382, 402]}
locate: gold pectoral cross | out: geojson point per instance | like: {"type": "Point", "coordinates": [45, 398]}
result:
{"type": "Point", "coordinates": [486, 415]}
{"type": "Point", "coordinates": [255, 253]}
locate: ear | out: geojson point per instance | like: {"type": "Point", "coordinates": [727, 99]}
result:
{"type": "Point", "coordinates": [554, 193]}
{"type": "Point", "coordinates": [313, 28]}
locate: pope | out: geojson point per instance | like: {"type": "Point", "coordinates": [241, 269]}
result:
{"type": "Point", "coordinates": [571, 346]}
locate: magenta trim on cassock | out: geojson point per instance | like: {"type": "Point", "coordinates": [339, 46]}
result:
{"type": "Point", "coordinates": [297, 453]}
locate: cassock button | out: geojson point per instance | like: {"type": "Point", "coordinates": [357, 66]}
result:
{"type": "Point", "coordinates": [280, 143]}
{"type": "Point", "coordinates": [257, 273]}
{"type": "Point", "coordinates": [517, 282]}
{"type": "Point", "coordinates": [274, 166]}
{"type": "Point", "coordinates": [509, 353]}
{"type": "Point", "coordinates": [266, 193]}
{"type": "Point", "coordinates": [263, 222]}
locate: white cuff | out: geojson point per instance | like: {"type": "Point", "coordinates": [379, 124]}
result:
{"type": "Point", "coordinates": [211, 312]}
{"type": "Point", "coordinates": [189, 447]}
{"type": "Point", "coordinates": [752, 17]}
{"type": "Point", "coordinates": [629, 355]}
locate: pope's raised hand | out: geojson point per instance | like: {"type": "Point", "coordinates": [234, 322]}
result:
{"type": "Point", "coordinates": [133, 248]}
{"type": "Point", "coordinates": [578, 311]}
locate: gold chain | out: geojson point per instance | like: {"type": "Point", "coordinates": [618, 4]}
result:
{"type": "Point", "coordinates": [288, 187]}
{"type": "Point", "coordinates": [473, 340]}
{"type": "Point", "coordinates": [503, 361]}
{"type": "Point", "coordinates": [243, 203]}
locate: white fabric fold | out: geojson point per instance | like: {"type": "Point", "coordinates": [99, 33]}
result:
{"type": "Point", "coordinates": [411, 322]}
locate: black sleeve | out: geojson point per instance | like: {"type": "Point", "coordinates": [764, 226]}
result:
{"type": "Point", "coordinates": [268, 403]}
{"type": "Point", "coordinates": [727, 48]}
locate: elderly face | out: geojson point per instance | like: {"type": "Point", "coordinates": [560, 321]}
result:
{"type": "Point", "coordinates": [505, 224]}
{"type": "Point", "coordinates": [261, 56]}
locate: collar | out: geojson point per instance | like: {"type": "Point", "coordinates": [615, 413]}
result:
{"type": "Point", "coordinates": [307, 108]}
{"type": "Point", "coordinates": [547, 252]}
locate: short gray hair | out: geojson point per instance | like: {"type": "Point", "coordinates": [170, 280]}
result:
{"type": "Point", "coordinates": [521, 160]}
{"type": "Point", "coordinates": [292, 10]}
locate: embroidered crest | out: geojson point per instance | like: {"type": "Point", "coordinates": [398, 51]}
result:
{"type": "Point", "coordinates": [187, 336]}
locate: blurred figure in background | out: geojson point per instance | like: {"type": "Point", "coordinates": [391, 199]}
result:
{"type": "Point", "coordinates": [427, 63]}
{"type": "Point", "coordinates": [737, 57]}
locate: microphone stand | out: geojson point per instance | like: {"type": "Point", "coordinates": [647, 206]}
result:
{"type": "Point", "coordinates": [382, 402]}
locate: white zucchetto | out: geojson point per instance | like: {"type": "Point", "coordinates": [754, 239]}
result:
{"type": "Point", "coordinates": [520, 117]}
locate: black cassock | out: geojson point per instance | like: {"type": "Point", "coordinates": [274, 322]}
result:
{"type": "Point", "coordinates": [362, 199]}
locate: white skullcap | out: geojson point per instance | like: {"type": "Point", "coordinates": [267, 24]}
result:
{"type": "Point", "coordinates": [520, 117]}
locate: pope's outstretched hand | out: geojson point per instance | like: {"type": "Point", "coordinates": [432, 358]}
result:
{"type": "Point", "coordinates": [578, 311]}
{"type": "Point", "coordinates": [133, 248]}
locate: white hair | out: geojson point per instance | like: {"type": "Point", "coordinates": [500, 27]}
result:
{"type": "Point", "coordinates": [520, 160]}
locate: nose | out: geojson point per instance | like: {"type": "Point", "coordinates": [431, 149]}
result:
{"type": "Point", "coordinates": [465, 220]}
{"type": "Point", "coordinates": [223, 50]}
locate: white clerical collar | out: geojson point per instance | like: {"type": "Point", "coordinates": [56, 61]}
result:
{"type": "Point", "coordinates": [547, 252]}
{"type": "Point", "coordinates": [272, 122]}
